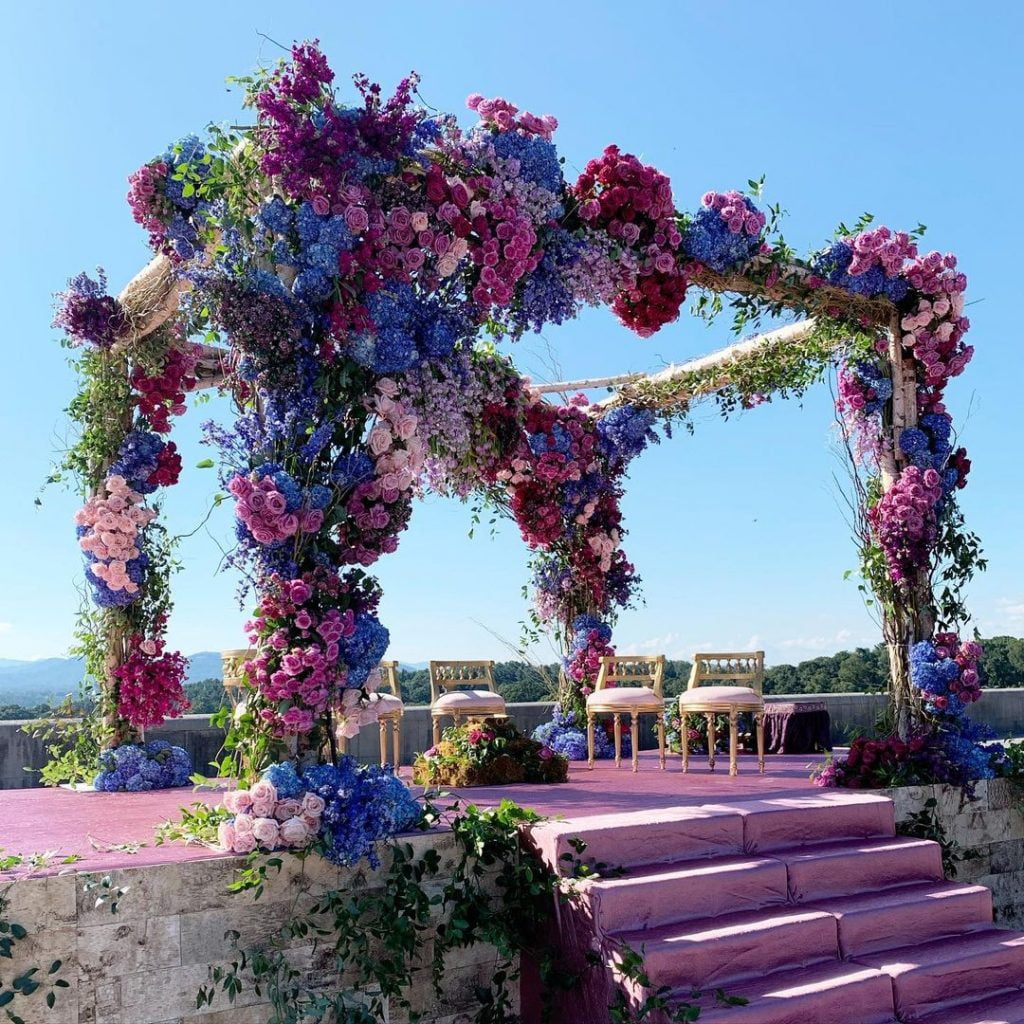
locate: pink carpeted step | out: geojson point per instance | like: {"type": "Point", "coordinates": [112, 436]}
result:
{"type": "Point", "coordinates": [1007, 1008]}
{"type": "Point", "coordinates": [723, 950]}
{"type": "Point", "coordinates": [835, 993]}
{"type": "Point", "coordinates": [842, 869]}
{"type": "Point", "coordinates": [785, 822]}
{"type": "Point", "coordinates": [939, 974]}
{"type": "Point", "coordinates": [661, 835]}
{"type": "Point", "coordinates": [873, 921]}
{"type": "Point", "coordinates": [665, 893]}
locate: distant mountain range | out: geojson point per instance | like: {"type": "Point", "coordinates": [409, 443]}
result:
{"type": "Point", "coordinates": [50, 679]}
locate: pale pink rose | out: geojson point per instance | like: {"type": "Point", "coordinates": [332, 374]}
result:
{"type": "Point", "coordinates": [406, 426]}
{"type": "Point", "coordinates": [312, 805]}
{"type": "Point", "coordinates": [243, 824]}
{"type": "Point", "coordinates": [287, 809]}
{"type": "Point", "coordinates": [148, 647]}
{"type": "Point", "coordinates": [263, 790]}
{"type": "Point", "coordinates": [419, 221]}
{"type": "Point", "coordinates": [321, 205]}
{"type": "Point", "coordinates": [387, 387]}
{"type": "Point", "coordinates": [263, 808]}
{"type": "Point", "coordinates": [226, 836]}
{"type": "Point", "coordinates": [293, 833]}
{"type": "Point", "coordinates": [266, 832]}
{"type": "Point", "coordinates": [379, 440]}
{"type": "Point", "coordinates": [243, 843]}
{"type": "Point", "coordinates": [311, 821]}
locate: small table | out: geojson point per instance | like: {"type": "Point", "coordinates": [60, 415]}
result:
{"type": "Point", "coordinates": [797, 727]}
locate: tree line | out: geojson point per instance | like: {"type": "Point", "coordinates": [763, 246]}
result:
{"type": "Point", "coordinates": [863, 670]}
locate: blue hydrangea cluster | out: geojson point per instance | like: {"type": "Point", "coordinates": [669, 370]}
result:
{"type": "Point", "coordinates": [136, 767]}
{"type": "Point", "coordinates": [364, 804]}
{"type": "Point", "coordinates": [564, 736]}
{"type": "Point", "coordinates": [285, 484]}
{"type": "Point", "coordinates": [933, 675]}
{"type": "Point", "coordinates": [137, 459]}
{"type": "Point", "coordinates": [708, 240]}
{"type": "Point", "coordinates": [350, 469]}
{"type": "Point", "coordinates": [581, 628]}
{"type": "Point", "coordinates": [537, 157]}
{"type": "Point", "coordinates": [313, 243]}
{"type": "Point", "coordinates": [363, 650]}
{"type": "Point", "coordinates": [833, 265]}
{"type": "Point", "coordinates": [408, 328]}
{"type": "Point", "coordinates": [286, 781]}
{"type": "Point", "coordinates": [624, 433]}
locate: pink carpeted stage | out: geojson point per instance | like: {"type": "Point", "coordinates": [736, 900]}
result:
{"type": "Point", "coordinates": [114, 830]}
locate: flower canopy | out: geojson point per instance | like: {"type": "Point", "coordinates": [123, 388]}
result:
{"type": "Point", "coordinates": [346, 272]}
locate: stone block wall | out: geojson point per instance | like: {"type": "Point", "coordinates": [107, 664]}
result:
{"type": "Point", "coordinates": [145, 963]}
{"type": "Point", "coordinates": [989, 829]}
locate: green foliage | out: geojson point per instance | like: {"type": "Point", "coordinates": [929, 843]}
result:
{"type": "Point", "coordinates": [197, 824]}
{"type": "Point", "coordinates": [31, 981]}
{"type": "Point", "coordinates": [206, 697]}
{"type": "Point", "coordinates": [72, 734]}
{"type": "Point", "coordinates": [925, 824]}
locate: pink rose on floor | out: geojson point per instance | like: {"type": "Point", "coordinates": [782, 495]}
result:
{"type": "Point", "coordinates": [243, 824]}
{"type": "Point", "coordinates": [294, 833]}
{"type": "Point", "coordinates": [266, 832]}
{"type": "Point", "coordinates": [226, 836]}
{"type": "Point", "coordinates": [312, 804]}
{"type": "Point", "coordinates": [263, 808]}
{"type": "Point", "coordinates": [287, 809]}
{"type": "Point", "coordinates": [243, 843]}
{"type": "Point", "coordinates": [264, 790]}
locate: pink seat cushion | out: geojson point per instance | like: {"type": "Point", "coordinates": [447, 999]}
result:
{"type": "Point", "coordinates": [626, 697]}
{"type": "Point", "coordinates": [469, 700]}
{"type": "Point", "coordinates": [720, 695]}
{"type": "Point", "coordinates": [388, 703]}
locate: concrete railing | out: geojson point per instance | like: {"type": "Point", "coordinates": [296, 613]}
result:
{"type": "Point", "coordinates": [851, 713]}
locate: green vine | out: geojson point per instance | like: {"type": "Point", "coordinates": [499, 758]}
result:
{"type": "Point", "coordinates": [14, 993]}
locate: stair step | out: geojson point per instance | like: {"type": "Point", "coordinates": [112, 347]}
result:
{"type": "Point", "coordinates": [936, 974]}
{"type": "Point", "coordinates": [723, 950]}
{"type": "Point", "coordinates": [785, 822]}
{"type": "Point", "coordinates": [664, 835]}
{"type": "Point", "coordinates": [665, 893]}
{"type": "Point", "coordinates": [835, 993]}
{"type": "Point", "coordinates": [1007, 1008]}
{"type": "Point", "coordinates": [841, 869]}
{"type": "Point", "coordinates": [874, 921]}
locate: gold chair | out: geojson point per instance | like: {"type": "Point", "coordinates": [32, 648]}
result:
{"type": "Point", "coordinates": [391, 711]}
{"type": "Point", "coordinates": [463, 689]}
{"type": "Point", "coordinates": [628, 683]}
{"type": "Point", "coordinates": [745, 674]}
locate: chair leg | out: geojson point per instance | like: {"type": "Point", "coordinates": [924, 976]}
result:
{"type": "Point", "coordinates": [759, 727]}
{"type": "Point", "coordinates": [396, 742]}
{"type": "Point", "coordinates": [342, 744]}
{"type": "Point", "coordinates": [617, 718]}
{"type": "Point", "coordinates": [437, 730]}
{"type": "Point", "coordinates": [661, 741]}
{"type": "Point", "coordinates": [733, 741]}
{"type": "Point", "coordinates": [383, 741]}
{"type": "Point", "coordinates": [634, 736]}
{"type": "Point", "coordinates": [684, 739]}
{"type": "Point", "coordinates": [590, 741]}
{"type": "Point", "coordinates": [712, 741]}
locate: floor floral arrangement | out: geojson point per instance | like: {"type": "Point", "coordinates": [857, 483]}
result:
{"type": "Point", "coordinates": [488, 753]}
{"type": "Point", "coordinates": [137, 767]}
{"type": "Point", "coordinates": [566, 734]}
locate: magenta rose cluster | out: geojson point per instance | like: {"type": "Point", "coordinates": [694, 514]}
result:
{"type": "Point", "coordinates": [906, 523]}
{"type": "Point", "coordinates": [151, 681]}
{"type": "Point", "coordinates": [264, 820]}
{"type": "Point", "coordinates": [264, 511]}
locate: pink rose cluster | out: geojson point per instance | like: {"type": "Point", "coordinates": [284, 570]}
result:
{"type": "Point", "coordinates": [109, 531]}
{"type": "Point", "coordinates": [299, 669]}
{"type": "Point", "coordinates": [379, 507]}
{"type": "Point", "coordinates": [505, 117]}
{"type": "Point", "coordinates": [266, 822]}
{"type": "Point", "coordinates": [739, 215]}
{"type": "Point", "coordinates": [150, 682]}
{"type": "Point", "coordinates": [149, 205]}
{"type": "Point", "coordinates": [263, 509]}
{"type": "Point", "coordinates": [934, 331]}
{"type": "Point", "coordinates": [905, 521]}
{"type": "Point", "coordinates": [967, 656]}
{"type": "Point", "coordinates": [881, 247]}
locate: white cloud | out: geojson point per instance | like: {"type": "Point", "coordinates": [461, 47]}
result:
{"type": "Point", "coordinates": [6, 627]}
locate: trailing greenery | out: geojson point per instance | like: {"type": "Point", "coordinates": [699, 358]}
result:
{"type": "Point", "coordinates": [925, 824]}
{"type": "Point", "coordinates": [378, 940]}
{"type": "Point", "coordinates": [30, 982]}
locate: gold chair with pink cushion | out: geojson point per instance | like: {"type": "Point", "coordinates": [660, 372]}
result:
{"type": "Point", "coordinates": [628, 684]}
{"type": "Point", "coordinates": [391, 711]}
{"type": "Point", "coordinates": [724, 684]}
{"type": "Point", "coordinates": [463, 690]}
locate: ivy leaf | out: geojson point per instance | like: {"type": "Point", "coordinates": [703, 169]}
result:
{"type": "Point", "coordinates": [205, 464]}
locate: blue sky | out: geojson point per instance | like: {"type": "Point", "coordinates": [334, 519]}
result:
{"type": "Point", "coordinates": [910, 110]}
